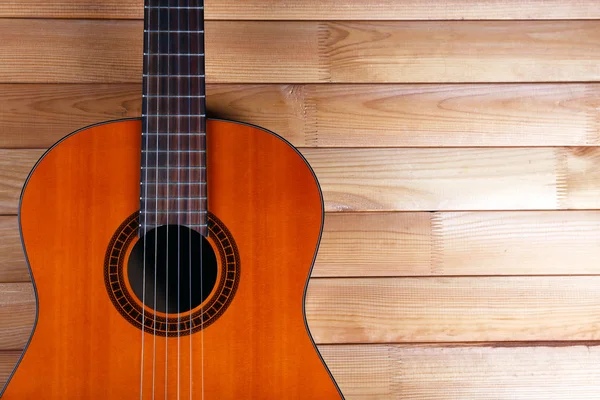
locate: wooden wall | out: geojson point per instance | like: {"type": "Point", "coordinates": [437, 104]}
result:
{"type": "Point", "coordinates": [456, 142]}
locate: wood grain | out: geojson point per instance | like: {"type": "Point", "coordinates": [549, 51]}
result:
{"type": "Point", "coordinates": [448, 373]}
{"type": "Point", "coordinates": [317, 9]}
{"type": "Point", "coordinates": [459, 244]}
{"type": "Point", "coordinates": [418, 179]}
{"type": "Point", "coordinates": [382, 372]}
{"type": "Point", "coordinates": [411, 310]}
{"type": "Point", "coordinates": [12, 259]}
{"type": "Point", "coordinates": [333, 115]}
{"type": "Point", "coordinates": [17, 314]}
{"type": "Point", "coordinates": [426, 244]}
{"type": "Point", "coordinates": [437, 179]}
{"type": "Point", "coordinates": [372, 310]}
{"type": "Point", "coordinates": [14, 168]}
{"type": "Point", "coordinates": [88, 51]}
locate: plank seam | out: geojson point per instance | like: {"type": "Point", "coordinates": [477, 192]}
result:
{"type": "Point", "coordinates": [437, 244]}
{"type": "Point", "coordinates": [311, 128]}
{"type": "Point", "coordinates": [323, 37]}
{"type": "Point", "coordinates": [562, 181]}
{"type": "Point", "coordinates": [593, 124]}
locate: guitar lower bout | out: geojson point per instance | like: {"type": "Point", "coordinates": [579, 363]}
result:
{"type": "Point", "coordinates": [220, 316]}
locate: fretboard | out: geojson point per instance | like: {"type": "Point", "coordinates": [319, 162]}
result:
{"type": "Point", "coordinates": [173, 174]}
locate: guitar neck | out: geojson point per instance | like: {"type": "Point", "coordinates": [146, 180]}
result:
{"type": "Point", "coordinates": [173, 174]}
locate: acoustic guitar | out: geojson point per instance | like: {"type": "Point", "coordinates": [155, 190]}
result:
{"type": "Point", "coordinates": [170, 255]}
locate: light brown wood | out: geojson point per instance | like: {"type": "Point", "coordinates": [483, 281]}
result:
{"type": "Point", "coordinates": [76, 312]}
{"type": "Point", "coordinates": [38, 115]}
{"type": "Point", "coordinates": [12, 260]}
{"type": "Point", "coordinates": [497, 309]}
{"type": "Point", "coordinates": [412, 310]}
{"type": "Point", "coordinates": [450, 373]}
{"type": "Point", "coordinates": [317, 9]}
{"type": "Point", "coordinates": [14, 168]}
{"type": "Point", "coordinates": [426, 244]}
{"type": "Point", "coordinates": [385, 372]}
{"type": "Point", "coordinates": [418, 179]}
{"type": "Point", "coordinates": [17, 314]}
{"type": "Point", "coordinates": [333, 115]}
{"type": "Point", "coordinates": [80, 51]}
{"type": "Point", "coordinates": [437, 179]}
{"type": "Point", "coordinates": [8, 359]}
{"type": "Point", "coordinates": [459, 244]}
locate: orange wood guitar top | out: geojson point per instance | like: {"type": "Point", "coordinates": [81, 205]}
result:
{"type": "Point", "coordinates": [259, 348]}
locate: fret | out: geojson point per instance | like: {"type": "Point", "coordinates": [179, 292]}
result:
{"type": "Point", "coordinates": [173, 115]}
{"type": "Point", "coordinates": [175, 105]}
{"type": "Point", "coordinates": [172, 175]}
{"type": "Point", "coordinates": [193, 86]}
{"type": "Point", "coordinates": [173, 205]}
{"type": "Point", "coordinates": [172, 159]}
{"type": "Point", "coordinates": [167, 64]}
{"type": "Point", "coordinates": [172, 97]}
{"type": "Point", "coordinates": [172, 76]}
{"type": "Point", "coordinates": [175, 54]}
{"type": "Point", "coordinates": [171, 31]}
{"type": "Point", "coordinates": [151, 219]}
{"type": "Point", "coordinates": [176, 7]}
{"type": "Point", "coordinates": [173, 124]}
{"type": "Point", "coordinates": [173, 189]}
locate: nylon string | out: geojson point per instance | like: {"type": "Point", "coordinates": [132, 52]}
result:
{"type": "Point", "coordinates": [145, 210]}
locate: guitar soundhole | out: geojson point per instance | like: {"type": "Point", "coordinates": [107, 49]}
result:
{"type": "Point", "coordinates": [176, 266]}
{"type": "Point", "coordinates": [181, 311]}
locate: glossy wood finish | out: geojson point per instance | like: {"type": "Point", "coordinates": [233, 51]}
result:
{"type": "Point", "coordinates": [259, 348]}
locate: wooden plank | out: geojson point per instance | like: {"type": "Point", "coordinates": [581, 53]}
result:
{"type": "Point", "coordinates": [333, 115]}
{"type": "Point", "coordinates": [426, 244]}
{"type": "Point", "coordinates": [317, 9]}
{"type": "Point", "coordinates": [405, 310]}
{"type": "Point", "coordinates": [37, 116]}
{"type": "Point", "coordinates": [418, 179]}
{"type": "Point", "coordinates": [459, 244]}
{"type": "Point", "coordinates": [437, 179]}
{"type": "Point", "coordinates": [373, 372]}
{"type": "Point", "coordinates": [14, 168]}
{"type": "Point", "coordinates": [8, 360]}
{"type": "Point", "coordinates": [88, 51]}
{"type": "Point", "coordinates": [17, 314]}
{"type": "Point", "coordinates": [495, 309]}
{"type": "Point", "coordinates": [12, 259]}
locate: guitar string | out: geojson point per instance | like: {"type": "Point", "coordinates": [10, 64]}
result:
{"type": "Point", "coordinates": [179, 217]}
{"type": "Point", "coordinates": [145, 202]}
{"type": "Point", "coordinates": [190, 100]}
{"type": "Point", "coordinates": [202, 91]}
{"type": "Point", "coordinates": [168, 204]}
{"type": "Point", "coordinates": [158, 85]}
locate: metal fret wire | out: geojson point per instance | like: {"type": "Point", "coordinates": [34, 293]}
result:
{"type": "Point", "coordinates": [178, 184]}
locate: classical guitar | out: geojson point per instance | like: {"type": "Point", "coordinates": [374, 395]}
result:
{"type": "Point", "coordinates": [170, 254]}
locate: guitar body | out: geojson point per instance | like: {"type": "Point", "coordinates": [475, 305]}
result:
{"type": "Point", "coordinates": [78, 210]}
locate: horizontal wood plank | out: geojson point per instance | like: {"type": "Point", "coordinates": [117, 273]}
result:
{"type": "Point", "coordinates": [425, 244]}
{"type": "Point", "coordinates": [448, 373]}
{"type": "Point", "coordinates": [14, 169]}
{"type": "Point", "coordinates": [317, 9]}
{"type": "Point", "coordinates": [459, 244]}
{"type": "Point", "coordinates": [438, 179]}
{"type": "Point", "coordinates": [333, 115]}
{"type": "Point", "coordinates": [12, 260]}
{"type": "Point", "coordinates": [17, 314]}
{"type": "Point", "coordinates": [89, 51]}
{"type": "Point", "coordinates": [382, 372]}
{"type": "Point", "coordinates": [419, 179]}
{"type": "Point", "coordinates": [410, 310]}
{"type": "Point", "coordinates": [496, 309]}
